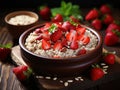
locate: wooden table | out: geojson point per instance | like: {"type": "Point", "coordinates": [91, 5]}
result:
{"type": "Point", "coordinates": [8, 80]}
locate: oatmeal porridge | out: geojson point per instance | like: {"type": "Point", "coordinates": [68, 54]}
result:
{"type": "Point", "coordinates": [22, 20]}
{"type": "Point", "coordinates": [61, 40]}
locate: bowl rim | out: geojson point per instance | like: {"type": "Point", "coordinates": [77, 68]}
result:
{"type": "Point", "coordinates": [24, 35]}
{"type": "Point", "coordinates": [22, 12]}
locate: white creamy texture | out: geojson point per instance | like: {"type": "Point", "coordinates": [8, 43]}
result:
{"type": "Point", "coordinates": [22, 20]}
{"type": "Point", "coordinates": [35, 46]}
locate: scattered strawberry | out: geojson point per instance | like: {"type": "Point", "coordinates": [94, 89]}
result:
{"type": "Point", "coordinates": [57, 18]}
{"type": "Point", "coordinates": [107, 19]}
{"type": "Point", "coordinates": [22, 72]}
{"type": "Point", "coordinates": [97, 24]}
{"type": "Point", "coordinates": [105, 9]}
{"type": "Point", "coordinates": [113, 26]}
{"type": "Point", "coordinates": [5, 51]}
{"type": "Point", "coordinates": [96, 73]}
{"type": "Point", "coordinates": [92, 14]}
{"type": "Point", "coordinates": [45, 44]}
{"type": "Point", "coordinates": [109, 58]}
{"type": "Point", "coordinates": [111, 38]}
{"type": "Point", "coordinates": [45, 12]}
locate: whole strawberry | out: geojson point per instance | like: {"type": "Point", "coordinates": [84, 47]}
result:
{"type": "Point", "coordinates": [5, 51]}
{"type": "Point", "coordinates": [96, 73]}
{"type": "Point", "coordinates": [113, 26]}
{"type": "Point", "coordinates": [109, 58]}
{"type": "Point", "coordinates": [107, 19]}
{"type": "Point", "coordinates": [111, 38]}
{"type": "Point", "coordinates": [105, 9]}
{"type": "Point", "coordinates": [22, 72]}
{"type": "Point", "coordinates": [92, 14]}
{"type": "Point", "coordinates": [45, 12]}
{"type": "Point", "coordinates": [97, 24]}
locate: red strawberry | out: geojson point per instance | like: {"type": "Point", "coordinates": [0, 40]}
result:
{"type": "Point", "coordinates": [74, 45]}
{"type": "Point", "coordinates": [92, 14]}
{"type": "Point", "coordinates": [109, 58]}
{"type": "Point", "coordinates": [111, 38]}
{"type": "Point", "coordinates": [112, 26]}
{"type": "Point", "coordinates": [45, 44]}
{"type": "Point", "coordinates": [57, 46]}
{"type": "Point", "coordinates": [64, 41]}
{"type": "Point", "coordinates": [5, 51]}
{"type": "Point", "coordinates": [71, 36]}
{"type": "Point", "coordinates": [57, 18]}
{"type": "Point", "coordinates": [82, 51]}
{"type": "Point", "coordinates": [22, 72]}
{"type": "Point", "coordinates": [86, 40]}
{"type": "Point", "coordinates": [66, 25]}
{"type": "Point", "coordinates": [81, 30]}
{"type": "Point", "coordinates": [105, 9]}
{"type": "Point", "coordinates": [56, 35]}
{"type": "Point", "coordinates": [97, 24]}
{"type": "Point", "coordinates": [45, 12]}
{"type": "Point", "coordinates": [96, 73]}
{"type": "Point", "coordinates": [46, 35]}
{"type": "Point", "coordinates": [107, 19]}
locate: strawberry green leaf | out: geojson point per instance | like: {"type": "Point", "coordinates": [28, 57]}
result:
{"type": "Point", "coordinates": [8, 45]}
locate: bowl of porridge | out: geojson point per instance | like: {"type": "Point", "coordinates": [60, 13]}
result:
{"type": "Point", "coordinates": [60, 49]}
{"type": "Point", "coordinates": [19, 21]}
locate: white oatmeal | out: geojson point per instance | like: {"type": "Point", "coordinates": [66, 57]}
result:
{"type": "Point", "coordinates": [35, 46]}
{"type": "Point", "coordinates": [22, 20]}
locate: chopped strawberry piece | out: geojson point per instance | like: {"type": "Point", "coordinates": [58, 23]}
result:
{"type": "Point", "coordinates": [38, 30]}
{"type": "Point", "coordinates": [74, 45]}
{"type": "Point", "coordinates": [81, 30]}
{"type": "Point", "coordinates": [66, 25]}
{"type": "Point", "coordinates": [39, 37]}
{"type": "Point", "coordinates": [46, 35]}
{"type": "Point", "coordinates": [57, 46]}
{"type": "Point", "coordinates": [82, 51]}
{"type": "Point", "coordinates": [45, 44]}
{"type": "Point", "coordinates": [80, 37]}
{"type": "Point", "coordinates": [86, 40]}
{"type": "Point", "coordinates": [64, 41]}
{"type": "Point", "coordinates": [56, 35]}
{"type": "Point", "coordinates": [71, 36]}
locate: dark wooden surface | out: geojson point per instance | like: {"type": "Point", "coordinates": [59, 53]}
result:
{"type": "Point", "coordinates": [8, 81]}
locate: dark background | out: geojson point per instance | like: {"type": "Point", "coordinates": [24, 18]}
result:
{"type": "Point", "coordinates": [52, 3]}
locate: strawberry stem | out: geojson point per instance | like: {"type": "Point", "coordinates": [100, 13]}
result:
{"type": "Point", "coordinates": [8, 45]}
{"type": "Point", "coordinates": [117, 32]}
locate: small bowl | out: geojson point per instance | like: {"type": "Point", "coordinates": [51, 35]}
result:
{"type": "Point", "coordinates": [16, 29]}
{"type": "Point", "coordinates": [61, 67]}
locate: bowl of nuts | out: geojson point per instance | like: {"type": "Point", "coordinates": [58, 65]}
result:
{"type": "Point", "coordinates": [60, 49]}
{"type": "Point", "coordinates": [19, 21]}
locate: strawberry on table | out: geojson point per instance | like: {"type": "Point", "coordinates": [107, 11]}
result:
{"type": "Point", "coordinates": [109, 58]}
{"type": "Point", "coordinates": [96, 73]}
{"type": "Point", "coordinates": [22, 72]}
{"type": "Point", "coordinates": [107, 19]}
{"type": "Point", "coordinates": [45, 12]}
{"type": "Point", "coordinates": [105, 9]}
{"type": "Point", "coordinates": [112, 38]}
{"type": "Point", "coordinates": [97, 24]}
{"type": "Point", "coordinates": [113, 26]}
{"type": "Point", "coordinates": [92, 14]}
{"type": "Point", "coordinates": [5, 51]}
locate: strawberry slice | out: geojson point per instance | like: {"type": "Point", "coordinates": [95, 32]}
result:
{"type": "Point", "coordinates": [66, 25]}
{"type": "Point", "coordinates": [71, 36]}
{"type": "Point", "coordinates": [86, 40]}
{"type": "Point", "coordinates": [81, 30]}
{"type": "Point", "coordinates": [22, 72]}
{"type": "Point", "coordinates": [64, 41]}
{"type": "Point", "coordinates": [82, 51]}
{"type": "Point", "coordinates": [56, 35]}
{"type": "Point", "coordinates": [45, 44]}
{"type": "Point", "coordinates": [80, 37]}
{"type": "Point", "coordinates": [74, 45]}
{"type": "Point", "coordinates": [46, 35]}
{"type": "Point", "coordinates": [57, 46]}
